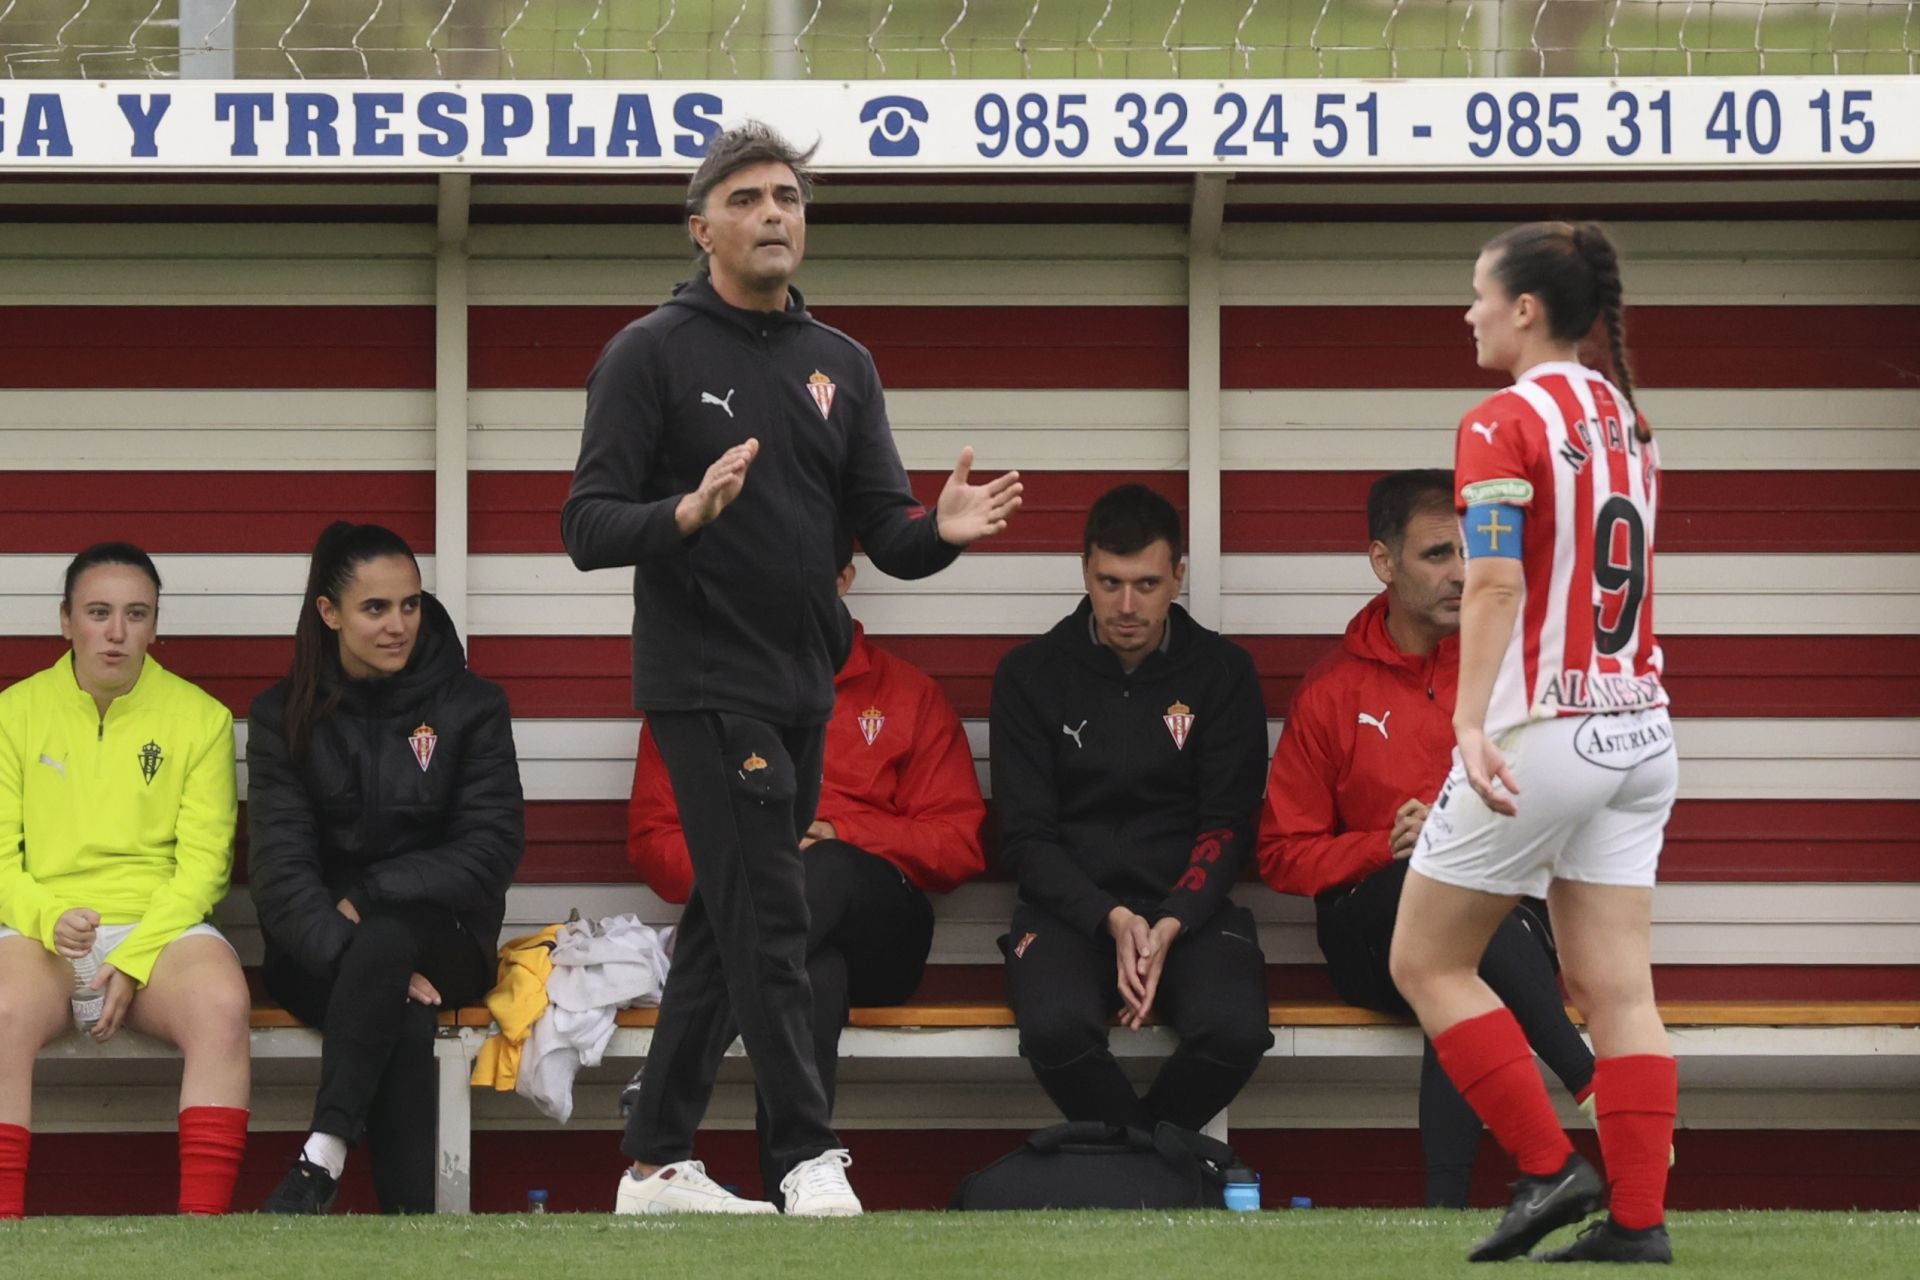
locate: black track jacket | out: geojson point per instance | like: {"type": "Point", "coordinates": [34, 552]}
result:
{"type": "Point", "coordinates": [409, 793]}
{"type": "Point", "coordinates": [742, 616]}
{"type": "Point", "coordinates": [1140, 790]}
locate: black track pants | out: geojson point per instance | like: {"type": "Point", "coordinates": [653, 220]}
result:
{"type": "Point", "coordinates": [746, 791]}
{"type": "Point", "coordinates": [1064, 989]}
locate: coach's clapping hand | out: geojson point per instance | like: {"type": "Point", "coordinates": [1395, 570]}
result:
{"type": "Point", "coordinates": [113, 1010]}
{"type": "Point", "coordinates": [74, 931]}
{"type": "Point", "coordinates": [969, 512]}
{"type": "Point", "coordinates": [721, 485]}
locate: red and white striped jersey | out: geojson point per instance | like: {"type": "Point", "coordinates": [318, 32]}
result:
{"type": "Point", "coordinates": [1560, 445]}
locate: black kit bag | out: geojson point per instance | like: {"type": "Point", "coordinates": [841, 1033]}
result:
{"type": "Point", "coordinates": [1086, 1164]}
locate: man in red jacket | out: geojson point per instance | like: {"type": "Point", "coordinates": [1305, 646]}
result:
{"type": "Point", "coordinates": [1368, 741]}
{"type": "Point", "coordinates": [899, 817]}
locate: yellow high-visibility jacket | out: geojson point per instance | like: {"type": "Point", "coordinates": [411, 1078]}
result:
{"type": "Point", "coordinates": [130, 814]}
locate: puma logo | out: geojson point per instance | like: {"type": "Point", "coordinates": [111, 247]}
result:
{"type": "Point", "coordinates": [58, 766]}
{"type": "Point", "coordinates": [1075, 734]}
{"type": "Point", "coordinates": [707, 397]}
{"type": "Point", "coordinates": [1380, 724]}
{"type": "Point", "coordinates": [1484, 431]}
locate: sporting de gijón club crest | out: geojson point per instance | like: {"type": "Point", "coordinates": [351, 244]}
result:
{"type": "Point", "coordinates": [1179, 722]}
{"type": "Point", "coordinates": [872, 721]}
{"type": "Point", "coordinates": [820, 387]}
{"type": "Point", "coordinates": [423, 740]}
{"type": "Point", "coordinates": [151, 758]}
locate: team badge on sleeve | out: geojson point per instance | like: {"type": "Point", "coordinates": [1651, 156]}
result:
{"type": "Point", "coordinates": [820, 387]}
{"type": "Point", "coordinates": [423, 740]}
{"type": "Point", "coordinates": [151, 758]}
{"type": "Point", "coordinates": [872, 721]}
{"type": "Point", "coordinates": [1179, 722]}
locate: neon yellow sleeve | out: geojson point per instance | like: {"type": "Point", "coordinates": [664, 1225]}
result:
{"type": "Point", "coordinates": [24, 904]}
{"type": "Point", "coordinates": [202, 854]}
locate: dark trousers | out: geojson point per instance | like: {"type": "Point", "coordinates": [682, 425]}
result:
{"type": "Point", "coordinates": [746, 791]}
{"type": "Point", "coordinates": [867, 943]}
{"type": "Point", "coordinates": [377, 1074]}
{"type": "Point", "coordinates": [1064, 988]}
{"type": "Point", "coordinates": [1356, 936]}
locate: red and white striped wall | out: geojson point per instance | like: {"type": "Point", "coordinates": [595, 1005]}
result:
{"type": "Point", "coordinates": [215, 370]}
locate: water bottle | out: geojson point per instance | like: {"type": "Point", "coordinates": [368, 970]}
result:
{"type": "Point", "coordinates": [1243, 1190]}
{"type": "Point", "coordinates": [87, 1003]}
{"type": "Point", "coordinates": [1301, 1202]}
{"type": "Point", "coordinates": [537, 1200]}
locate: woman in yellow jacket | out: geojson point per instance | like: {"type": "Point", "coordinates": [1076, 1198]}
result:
{"type": "Point", "coordinates": [116, 840]}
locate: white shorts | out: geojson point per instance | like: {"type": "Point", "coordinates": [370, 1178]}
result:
{"type": "Point", "coordinates": [1595, 794]}
{"type": "Point", "coordinates": [110, 936]}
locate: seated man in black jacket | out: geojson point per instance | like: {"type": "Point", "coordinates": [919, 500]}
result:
{"type": "Point", "coordinates": [1129, 748]}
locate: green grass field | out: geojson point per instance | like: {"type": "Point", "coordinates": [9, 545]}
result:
{"type": "Point", "coordinates": [1334, 1243]}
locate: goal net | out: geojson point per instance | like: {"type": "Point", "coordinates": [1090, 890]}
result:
{"type": "Point", "coordinates": [928, 39]}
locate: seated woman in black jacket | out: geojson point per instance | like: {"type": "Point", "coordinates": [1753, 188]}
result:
{"type": "Point", "coordinates": [385, 815]}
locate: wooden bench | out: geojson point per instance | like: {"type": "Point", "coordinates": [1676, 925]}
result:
{"type": "Point", "coordinates": [1763, 1034]}
{"type": "Point", "coordinates": [957, 1046]}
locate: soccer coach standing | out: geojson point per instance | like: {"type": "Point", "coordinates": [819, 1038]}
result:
{"type": "Point", "coordinates": [727, 433]}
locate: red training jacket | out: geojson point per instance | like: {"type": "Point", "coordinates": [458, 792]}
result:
{"type": "Point", "coordinates": [898, 782]}
{"type": "Point", "coordinates": [1370, 728]}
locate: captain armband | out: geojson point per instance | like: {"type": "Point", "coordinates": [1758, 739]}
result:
{"type": "Point", "coordinates": [1494, 530]}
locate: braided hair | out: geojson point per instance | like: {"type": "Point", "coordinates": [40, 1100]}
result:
{"type": "Point", "coordinates": [1573, 268]}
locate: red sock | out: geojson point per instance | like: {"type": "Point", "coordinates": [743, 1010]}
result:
{"type": "Point", "coordinates": [1488, 1060]}
{"type": "Point", "coordinates": [212, 1140]}
{"type": "Point", "coordinates": [14, 1142]}
{"type": "Point", "coordinates": [1637, 1098]}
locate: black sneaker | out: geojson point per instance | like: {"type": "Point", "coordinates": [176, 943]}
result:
{"type": "Point", "coordinates": [1542, 1206]}
{"type": "Point", "coordinates": [1608, 1241]}
{"type": "Point", "coordinates": [307, 1189]}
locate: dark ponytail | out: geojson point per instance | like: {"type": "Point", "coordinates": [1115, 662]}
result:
{"type": "Point", "coordinates": [337, 557]}
{"type": "Point", "coordinates": [1574, 270]}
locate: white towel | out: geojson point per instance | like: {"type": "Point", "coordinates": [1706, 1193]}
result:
{"type": "Point", "coordinates": [599, 968]}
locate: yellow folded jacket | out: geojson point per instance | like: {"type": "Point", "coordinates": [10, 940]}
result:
{"type": "Point", "coordinates": [517, 1000]}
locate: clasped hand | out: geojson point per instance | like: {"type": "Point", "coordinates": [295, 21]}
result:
{"type": "Point", "coordinates": [1140, 955]}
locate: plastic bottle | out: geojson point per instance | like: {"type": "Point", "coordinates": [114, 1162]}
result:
{"type": "Point", "coordinates": [1243, 1190]}
{"type": "Point", "coordinates": [537, 1200]}
{"type": "Point", "coordinates": [87, 1003]}
{"type": "Point", "coordinates": [1300, 1202]}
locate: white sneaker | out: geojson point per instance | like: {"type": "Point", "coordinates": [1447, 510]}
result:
{"type": "Point", "coordinates": [817, 1188]}
{"type": "Point", "coordinates": [683, 1187]}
